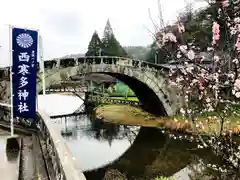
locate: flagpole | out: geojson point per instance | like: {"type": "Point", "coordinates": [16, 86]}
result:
{"type": "Point", "coordinates": [42, 64]}
{"type": "Point", "coordinates": [11, 77]}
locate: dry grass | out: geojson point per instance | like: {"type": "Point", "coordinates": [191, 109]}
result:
{"type": "Point", "coordinates": [123, 114]}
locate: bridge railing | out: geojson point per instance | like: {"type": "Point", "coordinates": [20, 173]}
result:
{"type": "Point", "coordinates": [90, 59]}
{"type": "Point", "coordinates": [70, 62]}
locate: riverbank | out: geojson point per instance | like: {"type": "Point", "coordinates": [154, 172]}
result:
{"type": "Point", "coordinates": [128, 115]}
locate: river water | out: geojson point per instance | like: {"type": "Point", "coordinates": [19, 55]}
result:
{"type": "Point", "coordinates": [140, 153]}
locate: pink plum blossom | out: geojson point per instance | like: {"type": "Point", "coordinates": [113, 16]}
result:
{"type": "Point", "coordinates": [225, 3]}
{"type": "Point", "coordinates": [216, 32]}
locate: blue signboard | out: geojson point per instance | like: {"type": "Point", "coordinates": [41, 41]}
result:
{"type": "Point", "coordinates": [24, 68]}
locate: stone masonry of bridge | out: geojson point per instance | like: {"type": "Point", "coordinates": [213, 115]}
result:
{"type": "Point", "coordinates": [145, 79]}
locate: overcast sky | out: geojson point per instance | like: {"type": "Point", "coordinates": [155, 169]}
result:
{"type": "Point", "coordinates": [67, 25]}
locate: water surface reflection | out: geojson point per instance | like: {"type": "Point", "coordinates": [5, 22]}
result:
{"type": "Point", "coordinates": [94, 143]}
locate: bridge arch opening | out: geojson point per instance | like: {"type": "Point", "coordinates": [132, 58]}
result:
{"type": "Point", "coordinates": [148, 98]}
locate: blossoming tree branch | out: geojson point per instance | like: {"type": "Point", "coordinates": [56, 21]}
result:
{"type": "Point", "coordinates": [210, 87]}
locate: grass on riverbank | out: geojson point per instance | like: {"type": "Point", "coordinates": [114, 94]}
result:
{"type": "Point", "coordinates": [123, 114]}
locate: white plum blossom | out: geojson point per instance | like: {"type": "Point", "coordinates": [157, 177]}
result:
{"type": "Point", "coordinates": [216, 58]}
{"type": "Point", "coordinates": [190, 69]}
{"type": "Point", "coordinates": [210, 49]}
{"type": "Point", "coordinates": [237, 84]}
{"type": "Point", "coordinates": [237, 94]}
{"type": "Point", "coordinates": [179, 55]}
{"type": "Point", "coordinates": [169, 37]}
{"type": "Point", "coordinates": [236, 61]}
{"type": "Point", "coordinates": [182, 111]}
{"type": "Point", "coordinates": [183, 48]}
{"type": "Point", "coordinates": [237, 20]}
{"type": "Point", "coordinates": [208, 100]}
{"type": "Point", "coordinates": [191, 54]}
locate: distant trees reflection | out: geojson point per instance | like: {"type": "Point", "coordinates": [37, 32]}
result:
{"type": "Point", "coordinates": [87, 125]}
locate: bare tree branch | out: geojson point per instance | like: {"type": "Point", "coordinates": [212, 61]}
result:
{"type": "Point", "coordinates": [155, 26]}
{"type": "Point", "coordinates": [162, 24]}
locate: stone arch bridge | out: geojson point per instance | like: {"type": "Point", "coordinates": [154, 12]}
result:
{"type": "Point", "coordinates": [147, 80]}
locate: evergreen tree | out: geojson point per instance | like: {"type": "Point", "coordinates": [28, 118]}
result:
{"type": "Point", "coordinates": [108, 32]}
{"type": "Point", "coordinates": [95, 46]}
{"type": "Point", "coordinates": [111, 47]}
